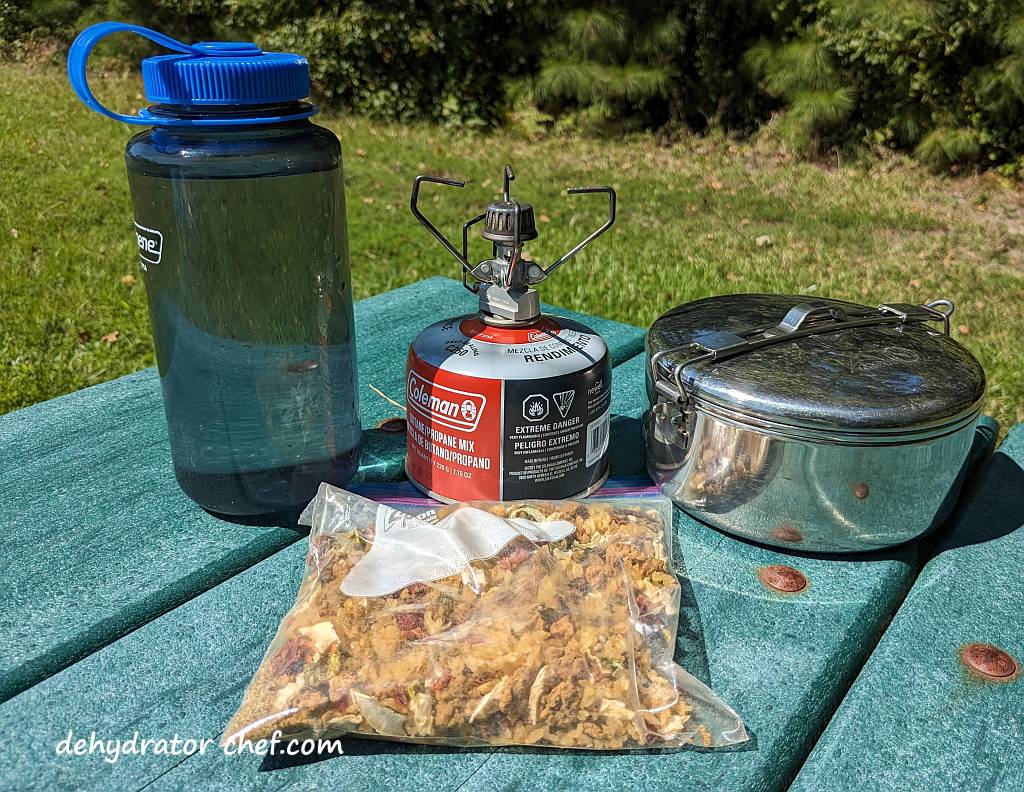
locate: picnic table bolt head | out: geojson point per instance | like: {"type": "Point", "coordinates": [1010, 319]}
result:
{"type": "Point", "coordinates": [782, 578]}
{"type": "Point", "coordinates": [787, 532]}
{"type": "Point", "coordinates": [394, 425]}
{"type": "Point", "coordinates": [989, 661]}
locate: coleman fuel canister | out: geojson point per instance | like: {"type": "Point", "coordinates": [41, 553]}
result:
{"type": "Point", "coordinates": [507, 403]}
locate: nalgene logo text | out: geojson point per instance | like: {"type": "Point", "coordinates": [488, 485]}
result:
{"type": "Point", "coordinates": [151, 244]}
{"type": "Point", "coordinates": [448, 407]}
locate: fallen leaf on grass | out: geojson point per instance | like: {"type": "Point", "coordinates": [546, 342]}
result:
{"type": "Point", "coordinates": [128, 280]}
{"type": "Point", "coordinates": [763, 241]}
{"type": "Point", "coordinates": [110, 338]}
{"type": "Point", "coordinates": [360, 152]}
{"type": "Point", "coordinates": [14, 233]}
{"type": "Point", "coordinates": [367, 199]}
{"type": "Point", "coordinates": [714, 184]}
{"type": "Point", "coordinates": [544, 218]}
{"type": "Point", "coordinates": [963, 329]}
{"type": "Point", "coordinates": [915, 283]}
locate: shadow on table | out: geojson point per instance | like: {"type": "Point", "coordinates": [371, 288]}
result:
{"type": "Point", "coordinates": [287, 520]}
{"type": "Point", "coordinates": [353, 746]}
{"type": "Point", "coordinates": [626, 440]}
{"type": "Point", "coordinates": [994, 506]}
{"type": "Point", "coordinates": [382, 459]}
{"type": "Point", "coordinates": [356, 746]}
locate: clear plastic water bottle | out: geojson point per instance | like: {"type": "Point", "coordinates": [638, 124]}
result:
{"type": "Point", "coordinates": [239, 216]}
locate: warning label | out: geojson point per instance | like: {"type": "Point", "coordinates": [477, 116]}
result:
{"type": "Point", "coordinates": [546, 434]}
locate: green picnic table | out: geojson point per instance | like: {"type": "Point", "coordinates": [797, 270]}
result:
{"type": "Point", "coordinates": [130, 611]}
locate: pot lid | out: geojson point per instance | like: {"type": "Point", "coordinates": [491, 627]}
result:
{"type": "Point", "coordinates": [817, 363]}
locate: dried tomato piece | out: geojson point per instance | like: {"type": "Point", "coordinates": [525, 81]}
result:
{"type": "Point", "coordinates": [292, 657]}
{"type": "Point", "coordinates": [410, 592]}
{"type": "Point", "coordinates": [399, 695]}
{"type": "Point", "coordinates": [410, 624]}
{"type": "Point", "coordinates": [513, 557]}
{"type": "Point", "coordinates": [319, 553]}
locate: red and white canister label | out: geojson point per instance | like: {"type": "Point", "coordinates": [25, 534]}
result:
{"type": "Point", "coordinates": [507, 413]}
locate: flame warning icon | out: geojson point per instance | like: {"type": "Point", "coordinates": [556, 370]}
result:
{"type": "Point", "coordinates": [535, 407]}
{"type": "Point", "coordinates": [563, 401]}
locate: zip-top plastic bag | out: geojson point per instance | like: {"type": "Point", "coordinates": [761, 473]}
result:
{"type": "Point", "coordinates": [543, 623]}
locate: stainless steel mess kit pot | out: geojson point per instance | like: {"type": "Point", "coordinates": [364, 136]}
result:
{"type": "Point", "coordinates": [816, 425]}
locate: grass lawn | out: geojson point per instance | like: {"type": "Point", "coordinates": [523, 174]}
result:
{"type": "Point", "coordinates": [73, 310]}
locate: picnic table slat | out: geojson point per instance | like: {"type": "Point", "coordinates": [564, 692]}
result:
{"type": "Point", "coordinates": [100, 539]}
{"type": "Point", "coordinates": [916, 717]}
{"type": "Point", "coordinates": [783, 661]}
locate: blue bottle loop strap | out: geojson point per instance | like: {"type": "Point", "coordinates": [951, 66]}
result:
{"type": "Point", "coordinates": [83, 45]}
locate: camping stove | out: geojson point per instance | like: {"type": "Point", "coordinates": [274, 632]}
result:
{"type": "Point", "coordinates": [509, 402]}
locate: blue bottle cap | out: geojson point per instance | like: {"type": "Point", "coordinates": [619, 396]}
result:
{"type": "Point", "coordinates": [206, 74]}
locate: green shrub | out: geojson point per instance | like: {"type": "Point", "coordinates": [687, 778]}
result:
{"type": "Point", "coordinates": [941, 78]}
{"type": "Point", "coordinates": [405, 59]}
{"type": "Point", "coordinates": [643, 65]}
{"type": "Point", "coordinates": [801, 71]}
{"type": "Point", "coordinates": [191, 20]}
{"type": "Point", "coordinates": [444, 60]}
{"type": "Point", "coordinates": [609, 64]}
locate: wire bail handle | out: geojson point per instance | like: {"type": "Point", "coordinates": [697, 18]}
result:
{"type": "Point", "coordinates": [800, 321]}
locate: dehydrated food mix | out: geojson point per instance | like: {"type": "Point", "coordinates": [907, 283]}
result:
{"type": "Point", "coordinates": [548, 623]}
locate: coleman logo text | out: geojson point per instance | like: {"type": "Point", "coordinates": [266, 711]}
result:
{"type": "Point", "coordinates": [151, 244]}
{"type": "Point", "coordinates": [448, 407]}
